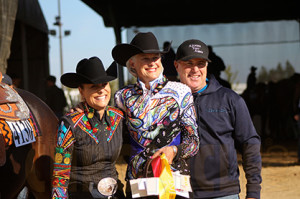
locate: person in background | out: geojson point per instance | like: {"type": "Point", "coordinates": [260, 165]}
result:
{"type": "Point", "coordinates": [251, 79]}
{"type": "Point", "coordinates": [216, 66]}
{"type": "Point", "coordinates": [55, 97]}
{"type": "Point", "coordinates": [159, 113]}
{"type": "Point", "coordinates": [89, 142]}
{"type": "Point", "coordinates": [167, 61]}
{"type": "Point", "coordinates": [297, 119]}
{"type": "Point", "coordinates": [225, 126]}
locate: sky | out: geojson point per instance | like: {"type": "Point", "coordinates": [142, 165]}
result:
{"type": "Point", "coordinates": [240, 45]}
{"type": "Point", "coordinates": [89, 37]}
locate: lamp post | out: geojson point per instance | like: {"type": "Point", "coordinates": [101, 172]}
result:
{"type": "Point", "coordinates": [66, 33]}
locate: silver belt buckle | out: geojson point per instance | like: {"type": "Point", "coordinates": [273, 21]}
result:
{"type": "Point", "coordinates": [107, 186]}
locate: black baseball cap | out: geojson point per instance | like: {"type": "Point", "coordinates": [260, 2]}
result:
{"type": "Point", "coordinates": [191, 49]}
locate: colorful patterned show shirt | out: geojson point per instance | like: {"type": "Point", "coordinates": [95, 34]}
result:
{"type": "Point", "coordinates": [161, 116]}
{"type": "Point", "coordinates": [87, 148]}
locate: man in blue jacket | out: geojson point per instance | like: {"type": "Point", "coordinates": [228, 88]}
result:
{"type": "Point", "coordinates": [224, 126]}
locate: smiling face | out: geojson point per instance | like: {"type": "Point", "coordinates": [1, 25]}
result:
{"type": "Point", "coordinates": [96, 95]}
{"type": "Point", "coordinates": [147, 66]}
{"type": "Point", "coordinates": [192, 73]}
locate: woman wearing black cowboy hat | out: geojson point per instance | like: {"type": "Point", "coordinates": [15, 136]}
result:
{"type": "Point", "coordinates": [159, 113]}
{"type": "Point", "coordinates": [89, 142]}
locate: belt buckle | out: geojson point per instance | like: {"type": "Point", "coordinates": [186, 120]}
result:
{"type": "Point", "coordinates": [107, 186]}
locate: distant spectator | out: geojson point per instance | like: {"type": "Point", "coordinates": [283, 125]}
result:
{"type": "Point", "coordinates": [251, 80]}
{"type": "Point", "coordinates": [55, 97]}
{"type": "Point", "coordinates": [167, 61]}
{"type": "Point", "coordinates": [216, 66]}
{"type": "Point", "coordinates": [297, 119]}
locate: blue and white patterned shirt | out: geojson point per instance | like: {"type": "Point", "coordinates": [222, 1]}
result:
{"type": "Point", "coordinates": [160, 116]}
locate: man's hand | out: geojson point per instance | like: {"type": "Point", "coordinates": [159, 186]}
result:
{"type": "Point", "coordinates": [168, 151]}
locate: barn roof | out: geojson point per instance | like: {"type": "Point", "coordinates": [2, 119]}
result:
{"type": "Point", "coordinates": [120, 13]}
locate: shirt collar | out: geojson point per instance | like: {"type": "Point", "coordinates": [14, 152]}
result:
{"type": "Point", "coordinates": [89, 110]}
{"type": "Point", "coordinates": [155, 85]}
{"type": "Point", "coordinates": [204, 88]}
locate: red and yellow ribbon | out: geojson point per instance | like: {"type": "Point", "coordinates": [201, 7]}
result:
{"type": "Point", "coordinates": [162, 169]}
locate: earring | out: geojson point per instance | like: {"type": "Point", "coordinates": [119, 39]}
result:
{"type": "Point", "coordinates": [91, 113]}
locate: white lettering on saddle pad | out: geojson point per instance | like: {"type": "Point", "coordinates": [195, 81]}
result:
{"type": "Point", "coordinates": [22, 132]}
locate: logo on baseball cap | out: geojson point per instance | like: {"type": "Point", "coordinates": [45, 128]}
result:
{"type": "Point", "coordinates": [191, 49]}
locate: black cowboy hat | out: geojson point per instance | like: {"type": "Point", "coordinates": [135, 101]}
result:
{"type": "Point", "coordinates": [253, 68]}
{"type": "Point", "coordinates": [141, 43]}
{"type": "Point", "coordinates": [112, 70]}
{"type": "Point", "coordinates": [88, 71]}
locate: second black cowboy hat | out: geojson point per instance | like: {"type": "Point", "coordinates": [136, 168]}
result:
{"type": "Point", "coordinates": [88, 71]}
{"type": "Point", "coordinates": [141, 43]}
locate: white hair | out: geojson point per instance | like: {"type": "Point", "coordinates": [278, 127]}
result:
{"type": "Point", "coordinates": [131, 70]}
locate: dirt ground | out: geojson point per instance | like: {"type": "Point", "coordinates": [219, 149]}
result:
{"type": "Point", "coordinates": [280, 174]}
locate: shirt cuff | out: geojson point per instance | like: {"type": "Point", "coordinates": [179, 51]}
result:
{"type": "Point", "coordinates": [178, 154]}
{"type": "Point", "coordinates": [253, 191]}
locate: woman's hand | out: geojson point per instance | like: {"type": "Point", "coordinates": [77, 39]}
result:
{"type": "Point", "coordinates": [169, 151]}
